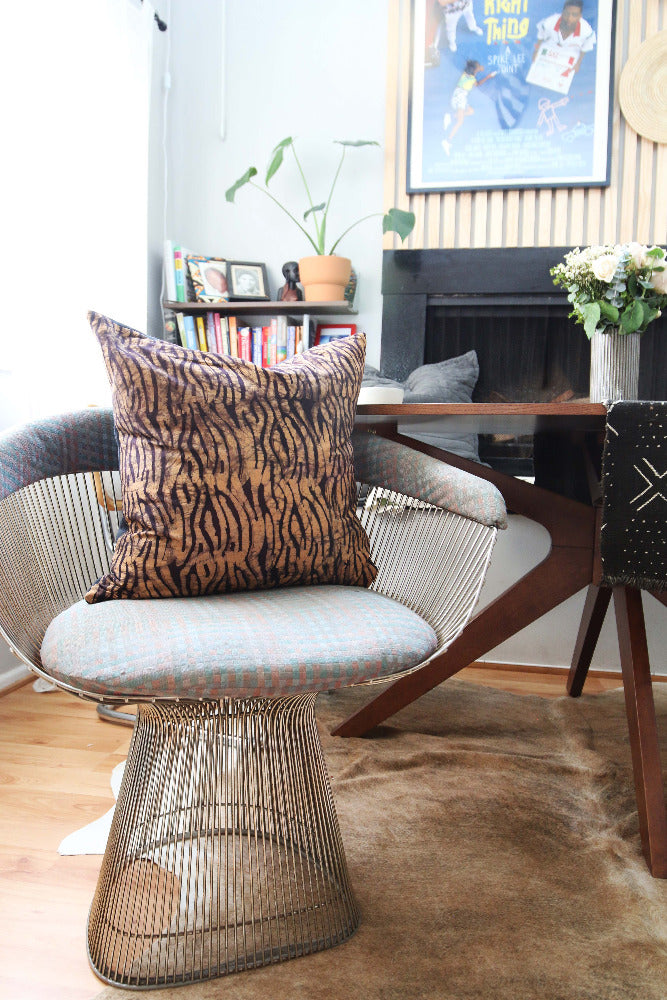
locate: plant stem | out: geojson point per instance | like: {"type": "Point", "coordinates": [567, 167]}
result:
{"type": "Point", "coordinates": [319, 246]}
{"type": "Point", "coordinates": [295, 221]}
{"type": "Point", "coordinates": [328, 205]}
{"type": "Point", "coordinates": [371, 216]}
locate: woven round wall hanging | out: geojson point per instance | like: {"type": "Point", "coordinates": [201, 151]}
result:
{"type": "Point", "coordinates": [643, 89]}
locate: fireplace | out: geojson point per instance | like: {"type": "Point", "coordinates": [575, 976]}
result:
{"type": "Point", "coordinates": [503, 304]}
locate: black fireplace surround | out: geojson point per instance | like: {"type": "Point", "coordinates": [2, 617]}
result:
{"type": "Point", "coordinates": [503, 304]}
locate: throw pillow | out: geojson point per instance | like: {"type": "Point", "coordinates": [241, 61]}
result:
{"type": "Point", "coordinates": [449, 381]}
{"type": "Point", "coordinates": [234, 477]}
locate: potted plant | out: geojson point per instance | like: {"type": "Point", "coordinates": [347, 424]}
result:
{"type": "Point", "coordinates": [615, 291]}
{"type": "Point", "coordinates": [324, 275]}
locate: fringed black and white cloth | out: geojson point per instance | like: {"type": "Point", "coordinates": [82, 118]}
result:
{"type": "Point", "coordinates": [633, 539]}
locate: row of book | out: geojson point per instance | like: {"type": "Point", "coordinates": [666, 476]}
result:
{"type": "Point", "coordinates": [262, 345]}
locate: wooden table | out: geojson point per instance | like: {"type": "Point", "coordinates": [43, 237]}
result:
{"type": "Point", "coordinates": [569, 566]}
{"type": "Point", "coordinates": [572, 563]}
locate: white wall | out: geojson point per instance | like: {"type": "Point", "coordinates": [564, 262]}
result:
{"type": "Point", "coordinates": [74, 194]}
{"type": "Point", "coordinates": [75, 114]}
{"type": "Point", "coordinates": [314, 69]}
{"type": "Point", "coordinates": [308, 69]}
{"type": "Point", "coordinates": [550, 640]}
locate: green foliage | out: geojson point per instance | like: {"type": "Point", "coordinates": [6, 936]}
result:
{"type": "Point", "coordinates": [394, 221]}
{"type": "Point", "coordinates": [620, 287]}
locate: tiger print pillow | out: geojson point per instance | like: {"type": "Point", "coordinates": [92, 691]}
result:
{"type": "Point", "coordinates": [234, 477]}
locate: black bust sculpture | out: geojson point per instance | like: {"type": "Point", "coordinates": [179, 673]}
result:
{"type": "Point", "coordinates": [290, 291]}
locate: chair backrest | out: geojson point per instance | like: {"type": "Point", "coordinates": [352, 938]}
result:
{"type": "Point", "coordinates": [59, 512]}
{"type": "Point", "coordinates": [431, 527]}
{"type": "Point", "coordinates": [633, 538]}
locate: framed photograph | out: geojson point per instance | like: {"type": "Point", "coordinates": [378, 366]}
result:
{"type": "Point", "coordinates": [510, 94]}
{"type": "Point", "coordinates": [209, 278]}
{"type": "Point", "coordinates": [246, 280]}
{"type": "Point", "coordinates": [326, 332]}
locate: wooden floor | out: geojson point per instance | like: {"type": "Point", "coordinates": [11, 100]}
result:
{"type": "Point", "coordinates": [56, 759]}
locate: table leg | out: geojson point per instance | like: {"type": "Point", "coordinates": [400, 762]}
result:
{"type": "Point", "coordinates": [644, 745]}
{"type": "Point", "coordinates": [550, 583]}
{"type": "Point", "coordinates": [592, 619]}
{"type": "Point", "coordinates": [567, 569]}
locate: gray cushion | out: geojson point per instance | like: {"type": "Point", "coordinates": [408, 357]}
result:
{"type": "Point", "coordinates": [449, 381]}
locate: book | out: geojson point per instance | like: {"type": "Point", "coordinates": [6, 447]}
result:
{"type": "Point", "coordinates": [234, 348]}
{"type": "Point", "coordinates": [281, 339]}
{"type": "Point", "coordinates": [201, 333]}
{"type": "Point", "coordinates": [179, 275]}
{"type": "Point", "coordinates": [170, 327]}
{"type": "Point", "coordinates": [182, 335]}
{"type": "Point", "coordinates": [169, 272]}
{"type": "Point", "coordinates": [244, 343]}
{"type": "Point", "coordinates": [273, 342]}
{"type": "Point", "coordinates": [190, 333]}
{"type": "Point", "coordinates": [291, 340]}
{"type": "Point", "coordinates": [224, 335]}
{"type": "Point", "coordinates": [256, 341]}
{"type": "Point", "coordinates": [217, 327]}
{"type": "Point", "coordinates": [305, 333]}
{"type": "Point", "coordinates": [211, 343]}
{"type": "Point", "coordinates": [301, 345]}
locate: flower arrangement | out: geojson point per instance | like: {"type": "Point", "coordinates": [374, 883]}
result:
{"type": "Point", "coordinates": [620, 287]}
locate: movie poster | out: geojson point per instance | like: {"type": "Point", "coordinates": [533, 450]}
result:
{"type": "Point", "coordinates": [509, 93]}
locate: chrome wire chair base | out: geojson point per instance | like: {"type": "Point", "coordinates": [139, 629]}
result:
{"type": "Point", "coordinates": [109, 714]}
{"type": "Point", "coordinates": [225, 852]}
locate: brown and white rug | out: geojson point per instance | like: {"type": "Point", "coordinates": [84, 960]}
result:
{"type": "Point", "coordinates": [493, 848]}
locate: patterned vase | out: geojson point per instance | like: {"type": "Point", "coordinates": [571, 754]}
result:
{"type": "Point", "coordinates": [614, 366]}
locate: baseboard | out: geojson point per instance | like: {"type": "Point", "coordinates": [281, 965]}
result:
{"type": "Point", "coordinates": [529, 668]}
{"type": "Point", "coordinates": [14, 677]}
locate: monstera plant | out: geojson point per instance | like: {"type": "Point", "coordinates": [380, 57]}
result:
{"type": "Point", "coordinates": [315, 219]}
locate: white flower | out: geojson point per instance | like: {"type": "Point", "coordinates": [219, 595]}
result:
{"type": "Point", "coordinates": [604, 268]}
{"type": "Point", "coordinates": [659, 281]}
{"type": "Point", "coordinates": [638, 254]}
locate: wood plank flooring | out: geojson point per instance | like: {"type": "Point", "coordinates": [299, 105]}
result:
{"type": "Point", "coordinates": [56, 759]}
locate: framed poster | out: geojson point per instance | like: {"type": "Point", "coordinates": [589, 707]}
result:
{"type": "Point", "coordinates": [510, 94]}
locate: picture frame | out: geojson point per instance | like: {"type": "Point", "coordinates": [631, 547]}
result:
{"type": "Point", "coordinates": [502, 96]}
{"type": "Point", "coordinates": [247, 280]}
{"type": "Point", "coordinates": [326, 332]}
{"type": "Point", "coordinates": [209, 277]}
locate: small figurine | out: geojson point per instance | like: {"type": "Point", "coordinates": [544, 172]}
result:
{"type": "Point", "coordinates": [290, 291]}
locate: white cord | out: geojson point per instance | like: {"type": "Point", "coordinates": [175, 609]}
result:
{"type": "Point", "coordinates": [166, 87]}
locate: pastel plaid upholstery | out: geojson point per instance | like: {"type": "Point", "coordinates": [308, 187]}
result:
{"type": "Point", "coordinates": [83, 441]}
{"type": "Point", "coordinates": [397, 467]}
{"type": "Point", "coordinates": [249, 644]}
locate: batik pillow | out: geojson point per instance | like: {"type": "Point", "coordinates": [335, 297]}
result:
{"type": "Point", "coordinates": [234, 477]}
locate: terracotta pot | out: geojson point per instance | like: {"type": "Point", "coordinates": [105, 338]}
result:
{"type": "Point", "coordinates": [324, 278]}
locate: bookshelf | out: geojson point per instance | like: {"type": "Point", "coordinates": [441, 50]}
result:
{"type": "Point", "coordinates": [229, 327]}
{"type": "Point", "coordinates": [248, 307]}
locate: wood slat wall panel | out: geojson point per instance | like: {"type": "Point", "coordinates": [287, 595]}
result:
{"type": "Point", "coordinates": [634, 206]}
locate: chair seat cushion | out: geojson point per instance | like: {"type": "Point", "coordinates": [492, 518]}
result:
{"type": "Point", "coordinates": [250, 644]}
